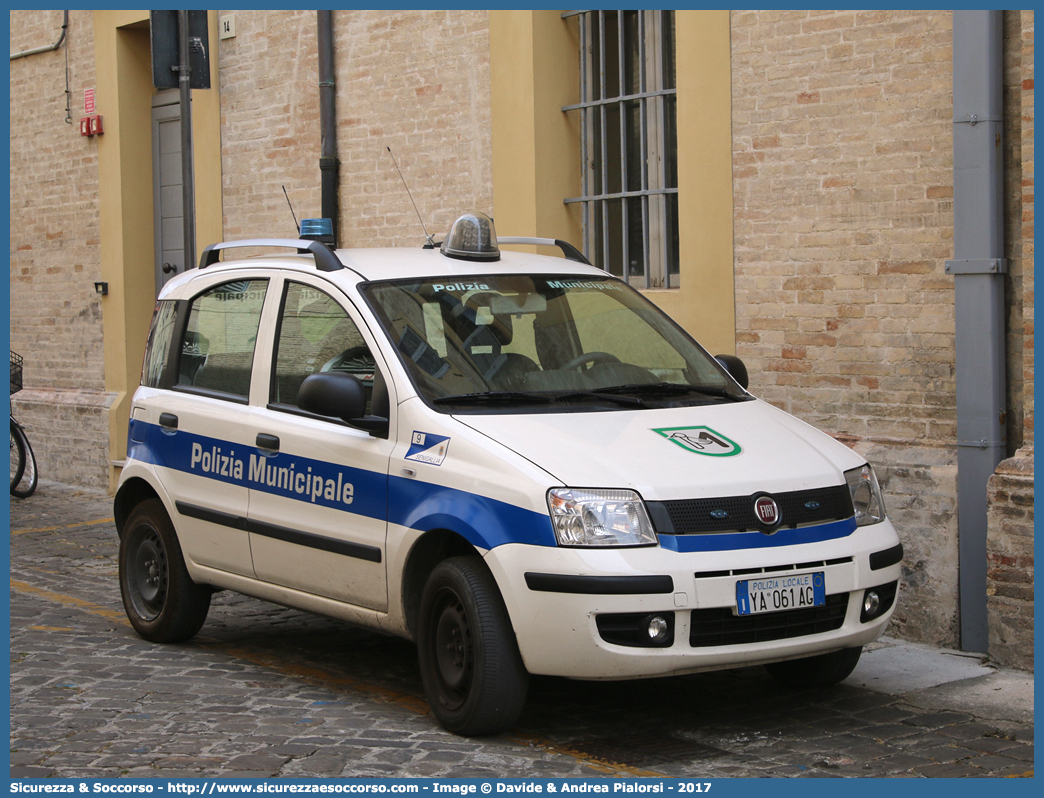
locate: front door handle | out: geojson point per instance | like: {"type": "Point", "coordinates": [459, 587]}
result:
{"type": "Point", "coordinates": [168, 420]}
{"type": "Point", "coordinates": [270, 443]}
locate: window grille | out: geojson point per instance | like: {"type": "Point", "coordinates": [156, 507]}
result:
{"type": "Point", "coordinates": [629, 144]}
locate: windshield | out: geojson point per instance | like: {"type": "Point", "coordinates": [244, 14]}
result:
{"type": "Point", "coordinates": [505, 343]}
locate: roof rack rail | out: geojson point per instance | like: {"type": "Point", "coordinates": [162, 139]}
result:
{"type": "Point", "coordinates": [571, 252]}
{"type": "Point", "coordinates": [325, 259]}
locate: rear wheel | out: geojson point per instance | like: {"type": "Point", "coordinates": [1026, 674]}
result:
{"type": "Point", "coordinates": [821, 670]}
{"type": "Point", "coordinates": [472, 672]}
{"type": "Point", "coordinates": [162, 602]}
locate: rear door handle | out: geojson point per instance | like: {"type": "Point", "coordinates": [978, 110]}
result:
{"type": "Point", "coordinates": [168, 420]}
{"type": "Point", "coordinates": [270, 443]}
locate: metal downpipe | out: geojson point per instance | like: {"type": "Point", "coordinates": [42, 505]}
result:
{"type": "Point", "coordinates": [328, 162]}
{"type": "Point", "coordinates": [978, 268]}
{"type": "Point", "coordinates": [188, 173]}
{"type": "Point", "coordinates": [48, 47]}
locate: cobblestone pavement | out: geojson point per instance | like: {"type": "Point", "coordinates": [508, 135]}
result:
{"type": "Point", "coordinates": [267, 691]}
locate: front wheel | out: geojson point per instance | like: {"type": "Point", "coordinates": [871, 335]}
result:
{"type": "Point", "coordinates": [17, 455]}
{"type": "Point", "coordinates": [162, 602]}
{"type": "Point", "coordinates": [24, 484]}
{"type": "Point", "coordinates": [470, 666]}
{"type": "Point", "coordinates": [821, 670]}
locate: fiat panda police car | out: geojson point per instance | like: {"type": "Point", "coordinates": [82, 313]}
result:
{"type": "Point", "coordinates": [515, 460]}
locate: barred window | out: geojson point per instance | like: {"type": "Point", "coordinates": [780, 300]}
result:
{"type": "Point", "coordinates": [629, 144]}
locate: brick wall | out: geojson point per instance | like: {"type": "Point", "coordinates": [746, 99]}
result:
{"type": "Point", "coordinates": [417, 81]}
{"type": "Point", "coordinates": [1010, 569]}
{"type": "Point", "coordinates": [842, 159]}
{"type": "Point", "coordinates": [268, 75]}
{"type": "Point", "coordinates": [1010, 563]}
{"type": "Point", "coordinates": [1015, 94]}
{"type": "Point", "coordinates": [433, 108]}
{"type": "Point", "coordinates": [56, 317]}
{"type": "Point", "coordinates": [1025, 181]}
{"type": "Point", "coordinates": [842, 164]}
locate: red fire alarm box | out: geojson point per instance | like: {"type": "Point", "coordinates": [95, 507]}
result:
{"type": "Point", "coordinates": [85, 126]}
{"type": "Point", "coordinates": [96, 125]}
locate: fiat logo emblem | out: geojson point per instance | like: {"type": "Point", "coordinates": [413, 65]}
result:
{"type": "Point", "coordinates": [767, 511]}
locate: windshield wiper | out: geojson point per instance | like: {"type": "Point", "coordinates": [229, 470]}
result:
{"type": "Point", "coordinates": [626, 401]}
{"type": "Point", "coordinates": [492, 397]}
{"type": "Point", "coordinates": [674, 388]}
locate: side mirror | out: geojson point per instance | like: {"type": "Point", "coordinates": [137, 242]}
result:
{"type": "Point", "coordinates": [736, 369]}
{"type": "Point", "coordinates": [340, 395]}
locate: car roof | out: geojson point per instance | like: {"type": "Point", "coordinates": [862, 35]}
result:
{"type": "Point", "coordinates": [395, 263]}
{"type": "Point", "coordinates": [392, 263]}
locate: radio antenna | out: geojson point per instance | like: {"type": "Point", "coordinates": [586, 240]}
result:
{"type": "Point", "coordinates": [291, 209]}
{"type": "Point", "coordinates": [427, 237]}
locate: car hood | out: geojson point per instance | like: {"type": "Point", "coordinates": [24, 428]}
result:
{"type": "Point", "coordinates": [675, 453]}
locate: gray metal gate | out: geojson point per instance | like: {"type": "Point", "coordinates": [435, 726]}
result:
{"type": "Point", "coordinates": [166, 187]}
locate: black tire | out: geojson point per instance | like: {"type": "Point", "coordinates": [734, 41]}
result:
{"type": "Point", "coordinates": [821, 670]}
{"type": "Point", "coordinates": [25, 485]}
{"type": "Point", "coordinates": [162, 602]}
{"type": "Point", "coordinates": [17, 455]}
{"type": "Point", "coordinates": [472, 672]}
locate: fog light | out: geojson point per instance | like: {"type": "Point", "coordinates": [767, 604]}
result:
{"type": "Point", "coordinates": [637, 629]}
{"type": "Point", "coordinates": [877, 601]}
{"type": "Point", "coordinates": [871, 604]}
{"type": "Point", "coordinates": [658, 629]}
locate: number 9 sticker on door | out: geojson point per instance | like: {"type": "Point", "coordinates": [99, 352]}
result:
{"type": "Point", "coordinates": [428, 448]}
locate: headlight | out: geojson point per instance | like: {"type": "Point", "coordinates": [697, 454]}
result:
{"type": "Point", "coordinates": [866, 495]}
{"type": "Point", "coordinates": [599, 518]}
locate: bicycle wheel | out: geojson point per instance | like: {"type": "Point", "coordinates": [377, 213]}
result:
{"type": "Point", "coordinates": [17, 456]}
{"type": "Point", "coordinates": [26, 484]}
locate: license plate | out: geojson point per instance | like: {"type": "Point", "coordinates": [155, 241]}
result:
{"type": "Point", "coordinates": [778, 593]}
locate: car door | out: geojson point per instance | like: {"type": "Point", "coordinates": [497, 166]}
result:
{"type": "Point", "coordinates": [318, 487]}
{"type": "Point", "coordinates": [203, 436]}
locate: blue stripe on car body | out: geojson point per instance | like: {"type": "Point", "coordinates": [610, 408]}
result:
{"type": "Point", "coordinates": [340, 487]}
{"type": "Point", "coordinates": [482, 521]}
{"type": "Point", "coordinates": [758, 540]}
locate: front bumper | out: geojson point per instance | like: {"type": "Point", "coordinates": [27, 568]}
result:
{"type": "Point", "coordinates": [557, 627]}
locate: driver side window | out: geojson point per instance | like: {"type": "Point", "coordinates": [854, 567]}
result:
{"type": "Point", "coordinates": [315, 334]}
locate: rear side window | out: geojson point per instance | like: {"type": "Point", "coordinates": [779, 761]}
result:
{"type": "Point", "coordinates": [157, 350]}
{"type": "Point", "coordinates": [217, 349]}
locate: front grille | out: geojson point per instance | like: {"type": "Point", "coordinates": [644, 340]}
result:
{"type": "Point", "coordinates": [718, 626]}
{"type": "Point", "coordinates": [771, 569]}
{"type": "Point", "coordinates": [736, 513]}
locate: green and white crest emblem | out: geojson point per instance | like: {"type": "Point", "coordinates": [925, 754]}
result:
{"type": "Point", "coordinates": [700, 440]}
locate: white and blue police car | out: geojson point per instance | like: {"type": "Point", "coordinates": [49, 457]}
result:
{"type": "Point", "coordinates": [515, 460]}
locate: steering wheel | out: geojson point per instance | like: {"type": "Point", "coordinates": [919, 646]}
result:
{"type": "Point", "coordinates": [589, 357]}
{"type": "Point", "coordinates": [355, 360]}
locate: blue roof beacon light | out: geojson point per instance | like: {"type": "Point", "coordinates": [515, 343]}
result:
{"type": "Point", "coordinates": [472, 237]}
{"type": "Point", "coordinates": [317, 230]}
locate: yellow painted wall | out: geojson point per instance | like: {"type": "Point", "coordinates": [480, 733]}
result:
{"type": "Point", "coordinates": [124, 74]}
{"type": "Point", "coordinates": [534, 68]}
{"type": "Point", "coordinates": [206, 150]}
{"type": "Point", "coordinates": [706, 302]}
{"type": "Point", "coordinates": [534, 71]}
